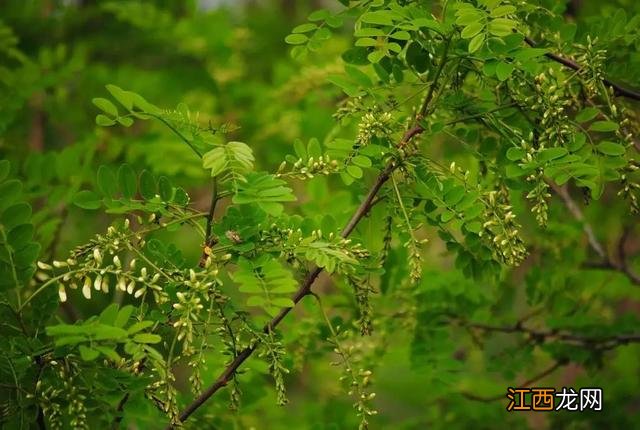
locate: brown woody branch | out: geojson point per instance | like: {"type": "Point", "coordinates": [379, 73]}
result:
{"type": "Point", "coordinates": [304, 289]}
{"type": "Point", "coordinates": [618, 89]}
{"type": "Point", "coordinates": [592, 342]}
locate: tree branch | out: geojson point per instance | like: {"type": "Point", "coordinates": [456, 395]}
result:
{"type": "Point", "coordinates": [303, 290]}
{"type": "Point", "coordinates": [593, 342]}
{"type": "Point", "coordinates": [618, 89]}
{"type": "Point", "coordinates": [606, 261]}
{"type": "Point", "coordinates": [548, 371]}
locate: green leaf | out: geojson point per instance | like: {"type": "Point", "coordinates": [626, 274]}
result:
{"type": "Point", "coordinates": [147, 338]}
{"type": "Point", "coordinates": [313, 149]}
{"type": "Point", "coordinates": [105, 332]}
{"type": "Point", "coordinates": [230, 161]}
{"type": "Point", "coordinates": [87, 200]}
{"type": "Point", "coordinates": [361, 161]}
{"type": "Point", "coordinates": [504, 70]}
{"type": "Point", "coordinates": [304, 28]}
{"type": "Point", "coordinates": [125, 121]}
{"type": "Point", "coordinates": [106, 106]}
{"type": "Point", "coordinates": [474, 226]}
{"type": "Point", "coordinates": [282, 302]}
{"type": "Point", "coordinates": [526, 54]}
{"type": "Point", "coordinates": [502, 27]}
{"type": "Point", "coordinates": [266, 191]}
{"type": "Point", "coordinates": [400, 35]}
{"type": "Point", "coordinates": [88, 354]}
{"type": "Point", "coordinates": [354, 171]}
{"type": "Point", "coordinates": [611, 148]}
{"type": "Point", "coordinates": [106, 181]}
{"type": "Point", "coordinates": [264, 278]}
{"type": "Point", "coordinates": [515, 153]}
{"type": "Point", "coordinates": [587, 114]}
{"type": "Point", "coordinates": [123, 316]}
{"type": "Point", "coordinates": [366, 42]}
{"type": "Point", "coordinates": [603, 126]}
{"type": "Point", "coordinates": [139, 326]}
{"type": "Point", "coordinates": [181, 197]}
{"type": "Point", "coordinates": [376, 56]}
{"type": "Point", "coordinates": [356, 56]}
{"type": "Point", "coordinates": [476, 43]}
{"type": "Point", "coordinates": [166, 189]}
{"type": "Point", "coordinates": [9, 190]}
{"type": "Point", "coordinates": [16, 215]}
{"type": "Point", "coordinates": [358, 76]}
{"type": "Point", "coordinates": [379, 17]}
{"type": "Point", "coordinates": [104, 121]}
{"type": "Point", "coordinates": [110, 353]}
{"type": "Point", "coordinates": [109, 314]}
{"type": "Point", "coordinates": [471, 30]}
{"type": "Point", "coordinates": [369, 32]}
{"type": "Point", "coordinates": [123, 97]}
{"type": "Point", "coordinates": [148, 188]}
{"type": "Point", "coordinates": [319, 15]}
{"type": "Point", "coordinates": [454, 195]}
{"type": "Point", "coordinates": [503, 10]}
{"type": "Point", "coordinates": [469, 16]}
{"type": "Point", "coordinates": [296, 39]}
{"type": "Point", "coordinates": [549, 154]}
{"type": "Point", "coordinates": [128, 181]}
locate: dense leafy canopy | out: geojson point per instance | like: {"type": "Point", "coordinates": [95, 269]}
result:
{"type": "Point", "coordinates": [365, 213]}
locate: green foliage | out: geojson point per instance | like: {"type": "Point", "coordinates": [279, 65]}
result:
{"type": "Point", "coordinates": [19, 251]}
{"type": "Point", "coordinates": [265, 280]}
{"type": "Point", "coordinates": [118, 193]}
{"type": "Point", "coordinates": [436, 201]}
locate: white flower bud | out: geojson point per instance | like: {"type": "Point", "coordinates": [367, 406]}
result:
{"type": "Point", "coordinates": [97, 255]}
{"type": "Point", "coordinates": [44, 266]}
{"type": "Point", "coordinates": [62, 293]}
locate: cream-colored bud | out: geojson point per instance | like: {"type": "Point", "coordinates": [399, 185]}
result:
{"type": "Point", "coordinates": [62, 293]}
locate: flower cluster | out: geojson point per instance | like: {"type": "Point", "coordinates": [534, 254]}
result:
{"type": "Point", "coordinates": [273, 351]}
{"type": "Point", "coordinates": [362, 291]}
{"type": "Point", "coordinates": [322, 165]}
{"type": "Point", "coordinates": [591, 62]}
{"type": "Point", "coordinates": [98, 266]}
{"type": "Point", "coordinates": [630, 189]}
{"type": "Point", "coordinates": [373, 124]}
{"type": "Point", "coordinates": [357, 379]}
{"type": "Point", "coordinates": [549, 100]}
{"type": "Point", "coordinates": [502, 229]}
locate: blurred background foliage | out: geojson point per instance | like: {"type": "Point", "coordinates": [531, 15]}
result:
{"type": "Point", "coordinates": [228, 62]}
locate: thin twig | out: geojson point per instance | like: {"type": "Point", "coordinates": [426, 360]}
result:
{"type": "Point", "coordinates": [548, 371]}
{"type": "Point", "coordinates": [570, 204]}
{"type": "Point", "coordinates": [618, 89]}
{"type": "Point", "coordinates": [208, 242]}
{"type": "Point", "coordinates": [606, 261]}
{"type": "Point", "coordinates": [594, 342]}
